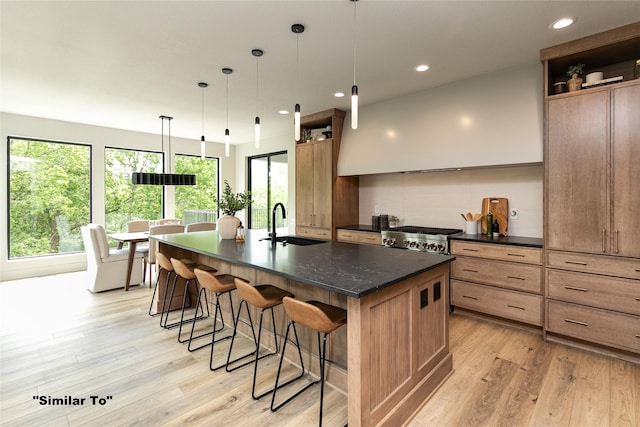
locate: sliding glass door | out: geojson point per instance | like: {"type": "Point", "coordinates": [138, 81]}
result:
{"type": "Point", "coordinates": [268, 183]}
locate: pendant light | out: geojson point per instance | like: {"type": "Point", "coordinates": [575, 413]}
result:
{"type": "Point", "coordinates": [297, 30]}
{"type": "Point", "coordinates": [257, 53]}
{"type": "Point", "coordinates": [145, 178]}
{"type": "Point", "coordinates": [202, 144]}
{"type": "Point", "coordinates": [354, 88]}
{"type": "Point", "coordinates": [227, 136]}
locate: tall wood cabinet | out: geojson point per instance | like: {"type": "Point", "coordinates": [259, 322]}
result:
{"type": "Point", "coordinates": [323, 199]}
{"type": "Point", "coordinates": [592, 197]}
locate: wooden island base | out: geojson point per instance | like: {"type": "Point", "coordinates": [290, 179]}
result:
{"type": "Point", "coordinates": [394, 352]}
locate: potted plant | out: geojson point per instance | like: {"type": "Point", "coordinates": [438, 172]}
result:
{"type": "Point", "coordinates": [575, 82]}
{"type": "Point", "coordinates": [229, 204]}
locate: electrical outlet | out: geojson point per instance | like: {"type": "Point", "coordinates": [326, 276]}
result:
{"type": "Point", "coordinates": [513, 213]}
{"type": "Point", "coordinates": [376, 210]}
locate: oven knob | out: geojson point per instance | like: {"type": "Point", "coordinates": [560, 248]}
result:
{"type": "Point", "coordinates": [432, 246]}
{"type": "Point", "coordinates": [425, 245]}
{"type": "Point", "coordinates": [441, 247]}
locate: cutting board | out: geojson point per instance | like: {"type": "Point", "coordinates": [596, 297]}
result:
{"type": "Point", "coordinates": [499, 208]}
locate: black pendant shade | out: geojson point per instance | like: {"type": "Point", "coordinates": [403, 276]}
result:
{"type": "Point", "coordinates": [150, 178]}
{"type": "Point", "coordinates": [145, 178]}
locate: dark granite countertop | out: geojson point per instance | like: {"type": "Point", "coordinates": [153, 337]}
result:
{"type": "Point", "coordinates": [345, 268]}
{"type": "Point", "coordinates": [533, 242]}
{"type": "Point", "coordinates": [359, 227]}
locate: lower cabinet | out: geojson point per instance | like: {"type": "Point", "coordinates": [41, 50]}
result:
{"type": "Point", "coordinates": [594, 299]}
{"type": "Point", "coordinates": [365, 237]}
{"type": "Point", "coordinates": [499, 280]}
{"type": "Point", "coordinates": [318, 233]}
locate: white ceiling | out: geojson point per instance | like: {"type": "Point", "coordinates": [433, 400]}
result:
{"type": "Point", "coordinates": [123, 63]}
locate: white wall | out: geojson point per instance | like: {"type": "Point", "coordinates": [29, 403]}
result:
{"type": "Point", "coordinates": [436, 199]}
{"type": "Point", "coordinates": [99, 138]}
{"type": "Point", "coordinates": [493, 119]}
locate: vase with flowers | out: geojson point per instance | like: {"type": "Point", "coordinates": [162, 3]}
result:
{"type": "Point", "coordinates": [229, 204]}
{"type": "Point", "coordinates": [575, 82]}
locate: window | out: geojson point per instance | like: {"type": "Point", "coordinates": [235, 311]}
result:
{"type": "Point", "coordinates": [123, 200]}
{"type": "Point", "coordinates": [49, 196]}
{"type": "Point", "coordinates": [197, 203]}
{"type": "Point", "coordinates": [268, 183]}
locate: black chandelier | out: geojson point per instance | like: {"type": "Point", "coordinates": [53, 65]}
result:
{"type": "Point", "coordinates": [148, 178]}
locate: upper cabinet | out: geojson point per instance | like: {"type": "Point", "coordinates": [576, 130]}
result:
{"type": "Point", "coordinates": [614, 53]}
{"type": "Point", "coordinates": [323, 200]}
{"type": "Point", "coordinates": [592, 153]}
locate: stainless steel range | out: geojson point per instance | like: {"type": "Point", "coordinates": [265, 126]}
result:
{"type": "Point", "coordinates": [423, 239]}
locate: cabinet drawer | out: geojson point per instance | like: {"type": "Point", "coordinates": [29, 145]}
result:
{"type": "Point", "coordinates": [359, 237]}
{"type": "Point", "coordinates": [318, 233]}
{"type": "Point", "coordinates": [521, 277]}
{"type": "Point", "coordinates": [499, 252]}
{"type": "Point", "coordinates": [600, 264]}
{"type": "Point", "coordinates": [595, 291]}
{"type": "Point", "coordinates": [512, 305]}
{"type": "Point", "coordinates": [595, 325]}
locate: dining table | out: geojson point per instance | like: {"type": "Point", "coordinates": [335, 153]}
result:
{"type": "Point", "coordinates": [132, 240]}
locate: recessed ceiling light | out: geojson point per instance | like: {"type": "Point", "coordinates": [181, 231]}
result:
{"type": "Point", "coordinates": [338, 94]}
{"type": "Point", "coordinates": [283, 112]}
{"type": "Point", "coordinates": [563, 23]}
{"type": "Point", "coordinates": [421, 68]}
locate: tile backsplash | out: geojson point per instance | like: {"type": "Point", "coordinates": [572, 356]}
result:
{"type": "Point", "coordinates": [436, 199]}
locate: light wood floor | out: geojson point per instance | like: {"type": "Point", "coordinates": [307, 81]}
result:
{"type": "Point", "coordinates": [57, 339]}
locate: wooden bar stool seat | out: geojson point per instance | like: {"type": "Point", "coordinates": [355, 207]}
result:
{"type": "Point", "coordinates": [185, 269]}
{"type": "Point", "coordinates": [218, 284]}
{"type": "Point", "coordinates": [317, 316]}
{"type": "Point", "coordinates": [264, 297]}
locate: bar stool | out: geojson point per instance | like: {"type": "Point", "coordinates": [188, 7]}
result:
{"type": "Point", "coordinates": [185, 271]}
{"type": "Point", "coordinates": [219, 284]}
{"type": "Point", "coordinates": [264, 297]}
{"type": "Point", "coordinates": [317, 316]}
{"type": "Point", "coordinates": [163, 263]}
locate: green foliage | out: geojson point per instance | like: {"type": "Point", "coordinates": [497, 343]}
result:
{"type": "Point", "coordinates": [123, 200]}
{"type": "Point", "coordinates": [203, 195]}
{"type": "Point", "coordinates": [576, 69]}
{"type": "Point", "coordinates": [231, 203]}
{"type": "Point", "coordinates": [49, 197]}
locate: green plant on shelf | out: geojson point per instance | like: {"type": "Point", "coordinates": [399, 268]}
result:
{"type": "Point", "coordinates": [577, 69]}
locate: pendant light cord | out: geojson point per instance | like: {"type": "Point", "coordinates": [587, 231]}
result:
{"type": "Point", "coordinates": [203, 112]}
{"type": "Point", "coordinates": [257, 86]}
{"type": "Point", "coordinates": [227, 101]}
{"type": "Point", "coordinates": [298, 64]}
{"type": "Point", "coordinates": [354, 41]}
{"type": "Point", "coordinates": [169, 157]}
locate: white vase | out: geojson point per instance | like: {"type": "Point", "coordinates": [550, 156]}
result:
{"type": "Point", "coordinates": [227, 226]}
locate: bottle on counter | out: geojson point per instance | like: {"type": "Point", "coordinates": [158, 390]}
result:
{"type": "Point", "coordinates": [490, 224]}
{"type": "Point", "coordinates": [240, 233]}
{"type": "Point", "coordinates": [495, 228]}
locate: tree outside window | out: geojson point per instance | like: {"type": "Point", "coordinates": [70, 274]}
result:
{"type": "Point", "coordinates": [49, 196]}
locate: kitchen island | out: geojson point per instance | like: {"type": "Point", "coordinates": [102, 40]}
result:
{"type": "Point", "coordinates": [394, 352]}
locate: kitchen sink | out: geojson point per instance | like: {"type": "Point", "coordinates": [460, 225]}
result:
{"type": "Point", "coordinates": [300, 241]}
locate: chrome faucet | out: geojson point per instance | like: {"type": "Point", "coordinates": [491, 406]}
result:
{"type": "Point", "coordinates": [273, 221]}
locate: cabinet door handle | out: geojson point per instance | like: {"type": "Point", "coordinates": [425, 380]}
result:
{"type": "Point", "coordinates": [573, 288]}
{"type": "Point", "coordinates": [347, 235]}
{"type": "Point", "coordinates": [470, 250]}
{"type": "Point", "coordinates": [515, 306]}
{"type": "Point", "coordinates": [467, 296]}
{"type": "Point", "coordinates": [577, 322]}
{"type": "Point", "coordinates": [469, 270]}
{"type": "Point", "coordinates": [637, 335]}
{"type": "Point", "coordinates": [616, 241]}
{"type": "Point", "coordinates": [604, 237]}
{"type": "Point", "coordinates": [371, 239]}
{"type": "Point", "coordinates": [518, 255]}
{"type": "Point", "coordinates": [515, 277]}
{"type": "Point", "coordinates": [638, 299]}
{"type": "Point", "coordinates": [576, 263]}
